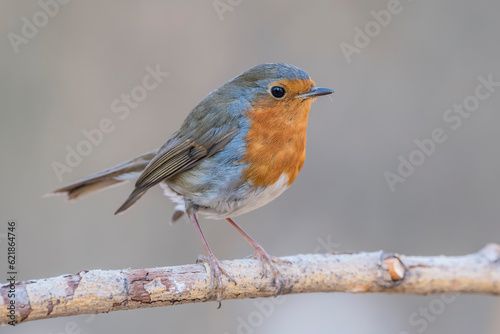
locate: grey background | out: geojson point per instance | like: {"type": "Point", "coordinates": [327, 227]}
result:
{"type": "Point", "coordinates": [393, 92]}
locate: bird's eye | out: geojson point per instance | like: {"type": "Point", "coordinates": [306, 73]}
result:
{"type": "Point", "coordinates": [278, 92]}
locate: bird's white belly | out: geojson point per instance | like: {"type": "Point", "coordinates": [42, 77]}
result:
{"type": "Point", "coordinates": [260, 196]}
{"type": "Point", "coordinates": [248, 199]}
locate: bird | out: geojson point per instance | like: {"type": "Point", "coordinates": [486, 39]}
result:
{"type": "Point", "coordinates": [241, 147]}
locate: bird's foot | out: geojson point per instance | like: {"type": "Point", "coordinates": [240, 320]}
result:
{"type": "Point", "coordinates": [271, 261]}
{"type": "Point", "coordinates": [216, 272]}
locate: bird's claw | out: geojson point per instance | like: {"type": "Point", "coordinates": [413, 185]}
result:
{"type": "Point", "coordinates": [271, 261]}
{"type": "Point", "coordinates": [216, 272]}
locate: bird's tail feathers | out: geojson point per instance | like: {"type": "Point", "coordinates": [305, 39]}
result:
{"type": "Point", "coordinates": [113, 176]}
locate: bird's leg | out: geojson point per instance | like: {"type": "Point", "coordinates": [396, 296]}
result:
{"type": "Point", "coordinates": [216, 269]}
{"type": "Point", "coordinates": [264, 257]}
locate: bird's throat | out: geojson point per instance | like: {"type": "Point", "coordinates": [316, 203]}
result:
{"type": "Point", "coordinates": [275, 142]}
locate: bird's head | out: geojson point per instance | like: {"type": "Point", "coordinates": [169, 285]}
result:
{"type": "Point", "coordinates": [278, 86]}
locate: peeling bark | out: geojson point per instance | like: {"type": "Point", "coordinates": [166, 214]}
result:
{"type": "Point", "coordinates": [102, 291]}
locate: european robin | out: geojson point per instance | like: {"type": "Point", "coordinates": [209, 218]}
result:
{"type": "Point", "coordinates": [238, 149]}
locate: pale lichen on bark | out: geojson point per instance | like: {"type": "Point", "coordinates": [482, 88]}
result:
{"type": "Point", "coordinates": [102, 291]}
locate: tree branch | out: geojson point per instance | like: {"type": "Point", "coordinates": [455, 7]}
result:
{"type": "Point", "coordinates": [98, 291]}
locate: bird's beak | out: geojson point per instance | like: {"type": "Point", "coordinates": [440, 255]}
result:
{"type": "Point", "coordinates": [315, 92]}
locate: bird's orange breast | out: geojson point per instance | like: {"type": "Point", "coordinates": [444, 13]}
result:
{"type": "Point", "coordinates": [276, 141]}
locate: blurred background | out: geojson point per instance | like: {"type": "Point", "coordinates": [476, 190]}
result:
{"type": "Point", "coordinates": [64, 66]}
